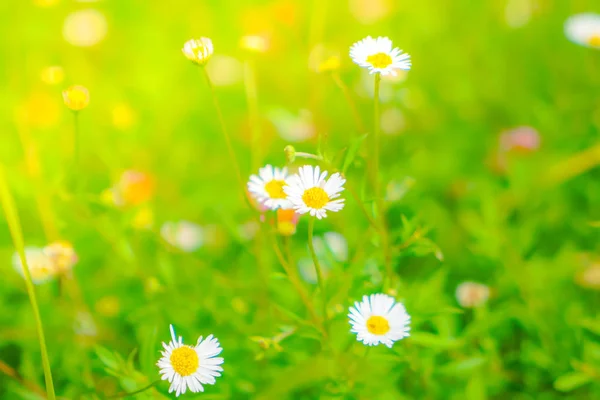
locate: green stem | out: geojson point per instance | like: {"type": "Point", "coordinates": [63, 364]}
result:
{"type": "Point", "coordinates": [76, 140]}
{"type": "Point", "coordinates": [377, 184]}
{"type": "Point", "coordinates": [234, 161]}
{"type": "Point", "coordinates": [351, 103]}
{"type": "Point", "coordinates": [321, 283]}
{"type": "Point", "coordinates": [253, 113]}
{"type": "Point", "coordinates": [14, 225]}
{"type": "Point", "coordinates": [128, 394]}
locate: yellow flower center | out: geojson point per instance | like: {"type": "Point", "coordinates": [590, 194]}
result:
{"type": "Point", "coordinates": [380, 60]}
{"type": "Point", "coordinates": [594, 40]}
{"type": "Point", "coordinates": [275, 189]}
{"type": "Point", "coordinates": [315, 198]}
{"type": "Point", "coordinates": [184, 360]}
{"type": "Point", "coordinates": [378, 325]}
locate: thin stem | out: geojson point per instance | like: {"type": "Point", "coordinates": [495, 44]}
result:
{"type": "Point", "coordinates": [321, 283]}
{"type": "Point", "coordinates": [14, 225]}
{"type": "Point", "coordinates": [11, 373]}
{"type": "Point", "coordinates": [76, 140]}
{"type": "Point", "coordinates": [351, 103]}
{"type": "Point", "coordinates": [385, 240]}
{"type": "Point", "coordinates": [298, 286]}
{"type": "Point", "coordinates": [253, 112]}
{"type": "Point", "coordinates": [234, 161]}
{"type": "Point", "coordinates": [127, 394]}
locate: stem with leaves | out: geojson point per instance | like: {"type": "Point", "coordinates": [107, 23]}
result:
{"type": "Point", "coordinates": [14, 225]}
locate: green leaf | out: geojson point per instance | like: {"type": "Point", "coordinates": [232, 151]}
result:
{"type": "Point", "coordinates": [107, 357]}
{"type": "Point", "coordinates": [352, 151]}
{"type": "Point", "coordinates": [430, 340]}
{"type": "Point", "coordinates": [571, 381]}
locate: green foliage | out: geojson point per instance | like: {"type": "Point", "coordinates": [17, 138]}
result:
{"type": "Point", "coordinates": [457, 207]}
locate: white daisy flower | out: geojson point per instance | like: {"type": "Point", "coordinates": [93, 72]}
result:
{"type": "Point", "coordinates": [198, 51]}
{"type": "Point", "coordinates": [378, 56]}
{"type": "Point", "coordinates": [309, 192]}
{"type": "Point", "coordinates": [584, 29]}
{"type": "Point", "coordinates": [379, 319]}
{"type": "Point", "coordinates": [190, 367]}
{"type": "Point", "coordinates": [41, 266]}
{"type": "Point", "coordinates": [267, 187]}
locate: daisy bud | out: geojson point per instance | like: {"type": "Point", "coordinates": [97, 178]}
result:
{"type": "Point", "coordinates": [198, 51]}
{"type": "Point", "coordinates": [584, 29]}
{"type": "Point", "coordinates": [290, 153]}
{"type": "Point", "coordinates": [76, 97]}
{"type": "Point", "coordinates": [472, 294]}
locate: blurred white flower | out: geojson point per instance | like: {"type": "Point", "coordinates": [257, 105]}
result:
{"type": "Point", "coordinates": [184, 235]}
{"type": "Point", "coordinates": [85, 28]}
{"type": "Point", "coordinates": [40, 264]}
{"type": "Point", "coordinates": [309, 192]}
{"type": "Point", "coordinates": [584, 29]}
{"type": "Point", "coordinates": [190, 367]}
{"type": "Point", "coordinates": [370, 11]}
{"type": "Point", "coordinates": [379, 56]}
{"type": "Point", "coordinates": [333, 242]}
{"type": "Point", "coordinates": [472, 294]}
{"type": "Point", "coordinates": [63, 256]}
{"type": "Point", "coordinates": [224, 70]}
{"type": "Point", "coordinates": [378, 318]}
{"type": "Point", "coordinates": [392, 121]}
{"type": "Point", "coordinates": [293, 127]}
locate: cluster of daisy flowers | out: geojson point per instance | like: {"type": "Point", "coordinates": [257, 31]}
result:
{"type": "Point", "coordinates": [45, 263]}
{"type": "Point", "coordinates": [306, 192]}
{"type": "Point", "coordinates": [377, 319]}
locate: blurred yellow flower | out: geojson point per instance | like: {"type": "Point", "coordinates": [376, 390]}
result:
{"type": "Point", "coordinates": [76, 97]}
{"type": "Point", "coordinates": [52, 75]}
{"type": "Point", "coordinates": [286, 222]}
{"type": "Point", "coordinates": [198, 51]}
{"type": "Point", "coordinates": [254, 43]}
{"type": "Point", "coordinates": [63, 256]}
{"type": "Point", "coordinates": [135, 187]}
{"type": "Point", "coordinates": [108, 306]}
{"type": "Point", "coordinates": [590, 277]}
{"type": "Point", "coordinates": [143, 219]}
{"type": "Point", "coordinates": [322, 59]}
{"type": "Point", "coordinates": [123, 116]}
{"type": "Point", "coordinates": [45, 3]}
{"type": "Point", "coordinates": [85, 28]}
{"type": "Point", "coordinates": [40, 110]}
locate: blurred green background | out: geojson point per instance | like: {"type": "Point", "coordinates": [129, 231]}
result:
{"type": "Point", "coordinates": [461, 205]}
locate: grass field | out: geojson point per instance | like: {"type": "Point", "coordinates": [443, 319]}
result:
{"type": "Point", "coordinates": [471, 197]}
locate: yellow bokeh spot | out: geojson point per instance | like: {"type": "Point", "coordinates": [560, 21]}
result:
{"type": "Point", "coordinates": [378, 325]}
{"type": "Point", "coordinates": [123, 116]}
{"type": "Point", "coordinates": [185, 361]}
{"type": "Point", "coordinates": [254, 43]}
{"type": "Point", "coordinates": [52, 75]}
{"type": "Point", "coordinates": [286, 228]}
{"type": "Point", "coordinates": [380, 60]}
{"type": "Point", "coordinates": [143, 219]}
{"type": "Point", "coordinates": [85, 28]}
{"type": "Point", "coordinates": [315, 198]}
{"type": "Point", "coordinates": [275, 189]}
{"type": "Point", "coordinates": [40, 110]}
{"type": "Point", "coordinates": [329, 64]}
{"type": "Point", "coordinates": [76, 97]}
{"type": "Point", "coordinates": [594, 40]}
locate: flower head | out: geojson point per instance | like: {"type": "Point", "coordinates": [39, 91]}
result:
{"type": "Point", "coordinates": [523, 139]}
{"type": "Point", "coordinates": [76, 97]}
{"type": "Point", "coordinates": [39, 263]}
{"type": "Point", "coordinates": [378, 56]}
{"type": "Point", "coordinates": [198, 51]}
{"type": "Point", "coordinates": [267, 187]}
{"type": "Point", "coordinates": [378, 318]}
{"type": "Point", "coordinates": [63, 256]}
{"type": "Point", "coordinates": [584, 29]}
{"type": "Point", "coordinates": [190, 367]}
{"type": "Point", "coordinates": [184, 235]}
{"type": "Point", "coordinates": [309, 191]}
{"type": "Point", "coordinates": [134, 188]}
{"type": "Point", "coordinates": [472, 294]}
